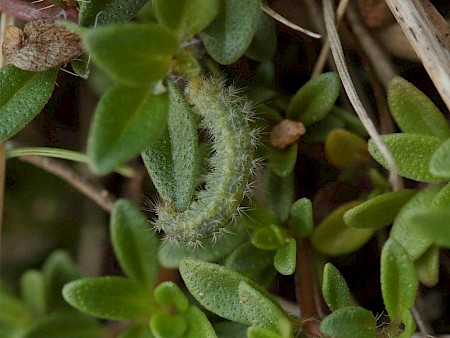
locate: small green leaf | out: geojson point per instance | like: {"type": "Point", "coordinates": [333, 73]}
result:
{"type": "Point", "coordinates": [127, 121]}
{"type": "Point", "coordinates": [379, 211]}
{"type": "Point", "coordinates": [269, 238]}
{"type": "Point", "coordinates": [280, 192]}
{"type": "Point", "coordinates": [260, 310]}
{"type": "Point", "coordinates": [432, 223]}
{"type": "Point", "coordinates": [427, 267]}
{"type": "Point", "coordinates": [14, 312]}
{"type": "Point", "coordinates": [440, 161]}
{"type": "Point", "coordinates": [166, 325]}
{"type": "Point", "coordinates": [114, 298]}
{"type": "Point", "coordinates": [185, 18]}
{"type": "Point", "coordinates": [344, 148]}
{"type": "Point", "coordinates": [131, 53]}
{"type": "Point", "coordinates": [398, 279]}
{"type": "Point", "coordinates": [301, 217]}
{"type": "Point", "coordinates": [24, 94]}
{"type": "Point", "coordinates": [227, 329]}
{"type": "Point", "coordinates": [315, 99]}
{"type": "Point", "coordinates": [101, 12]}
{"type": "Point", "coordinates": [137, 330]}
{"type": "Point", "coordinates": [231, 32]}
{"type": "Point", "coordinates": [260, 332]}
{"type": "Point", "coordinates": [349, 322]}
{"type": "Point", "coordinates": [168, 293]}
{"type": "Point", "coordinates": [32, 287]}
{"type": "Point", "coordinates": [172, 161]}
{"type": "Point", "coordinates": [333, 237]}
{"type": "Point", "coordinates": [414, 112]}
{"type": "Point", "coordinates": [282, 161]}
{"type": "Point", "coordinates": [286, 257]}
{"type": "Point", "coordinates": [64, 325]}
{"type": "Point", "coordinates": [351, 121]}
{"type": "Point", "coordinates": [198, 324]}
{"type": "Point", "coordinates": [264, 44]}
{"type": "Point", "coordinates": [216, 288]}
{"type": "Point", "coordinates": [412, 154]}
{"type": "Point", "coordinates": [442, 198]}
{"type": "Point", "coordinates": [410, 325]}
{"type": "Point", "coordinates": [335, 290]}
{"type": "Point", "coordinates": [135, 245]}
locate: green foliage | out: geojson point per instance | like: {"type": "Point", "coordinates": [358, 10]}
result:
{"type": "Point", "coordinates": [286, 257]}
{"type": "Point", "coordinates": [165, 325]}
{"type": "Point", "coordinates": [427, 267]}
{"type": "Point", "coordinates": [335, 290]}
{"type": "Point", "coordinates": [103, 12]}
{"type": "Point", "coordinates": [344, 148]}
{"type": "Point", "coordinates": [264, 44]}
{"type": "Point", "coordinates": [24, 94]}
{"type": "Point", "coordinates": [440, 161]}
{"type": "Point", "coordinates": [280, 192]}
{"type": "Point", "coordinates": [282, 161]}
{"type": "Point", "coordinates": [349, 322]}
{"type": "Point", "coordinates": [168, 293]}
{"type": "Point", "coordinates": [199, 325]}
{"type": "Point", "coordinates": [301, 217]}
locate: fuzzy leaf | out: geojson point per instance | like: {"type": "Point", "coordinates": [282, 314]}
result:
{"type": "Point", "coordinates": [301, 217]}
{"type": "Point", "coordinates": [314, 100]}
{"type": "Point", "coordinates": [259, 332]}
{"type": "Point", "coordinates": [127, 121]}
{"type": "Point", "coordinates": [168, 293]}
{"type": "Point", "coordinates": [231, 32]}
{"type": "Point", "coordinates": [172, 161]}
{"type": "Point", "coordinates": [168, 325]}
{"type": "Point", "coordinates": [134, 244]}
{"type": "Point", "coordinates": [227, 329]}
{"type": "Point", "coordinates": [282, 161]}
{"type": "Point", "coordinates": [280, 191]}
{"type": "Point", "coordinates": [333, 237]}
{"type": "Point", "coordinates": [344, 148]}
{"type": "Point", "coordinates": [349, 322]}
{"type": "Point", "coordinates": [24, 94]}
{"type": "Point", "coordinates": [285, 257]}
{"type": "Point", "coordinates": [414, 112]}
{"type": "Point", "coordinates": [412, 154]}
{"type": "Point", "coordinates": [131, 53]}
{"type": "Point", "coordinates": [378, 211]}
{"type": "Point", "coordinates": [409, 323]}
{"type": "Point", "coordinates": [185, 18]}
{"type": "Point", "coordinates": [103, 12]}
{"type": "Point", "coordinates": [216, 288]}
{"type": "Point", "coordinates": [64, 325]}
{"type": "Point", "coordinates": [335, 290]}
{"type": "Point", "coordinates": [264, 44]}
{"type": "Point", "coordinates": [199, 325]}
{"type": "Point", "coordinates": [269, 238]}
{"type": "Point", "coordinates": [440, 161]}
{"type": "Point", "coordinates": [32, 287]}
{"type": "Point", "coordinates": [427, 267]}
{"type": "Point", "coordinates": [114, 298]}
{"type": "Point", "coordinates": [398, 279]}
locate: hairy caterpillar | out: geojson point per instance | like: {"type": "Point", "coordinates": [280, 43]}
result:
{"type": "Point", "coordinates": [226, 116]}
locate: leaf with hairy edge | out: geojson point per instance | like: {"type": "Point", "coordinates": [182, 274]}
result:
{"type": "Point", "coordinates": [349, 322]}
{"type": "Point", "coordinates": [335, 289]}
{"type": "Point", "coordinates": [101, 12]}
{"type": "Point", "coordinates": [114, 298]}
{"type": "Point", "coordinates": [217, 288]}
{"type": "Point", "coordinates": [440, 161]}
{"type": "Point", "coordinates": [378, 211]}
{"type": "Point", "coordinates": [314, 100]}
{"type": "Point", "coordinates": [398, 279]}
{"type": "Point", "coordinates": [127, 121]}
{"type": "Point", "coordinates": [23, 95]}
{"type": "Point", "coordinates": [414, 112]}
{"type": "Point", "coordinates": [412, 154]}
{"type": "Point", "coordinates": [231, 32]}
{"type": "Point", "coordinates": [131, 53]}
{"type": "Point", "coordinates": [198, 324]}
{"type": "Point", "coordinates": [185, 17]}
{"type": "Point", "coordinates": [135, 245]}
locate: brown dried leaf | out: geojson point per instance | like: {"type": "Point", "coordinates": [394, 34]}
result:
{"type": "Point", "coordinates": [285, 133]}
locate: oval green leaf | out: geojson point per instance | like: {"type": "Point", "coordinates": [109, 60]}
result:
{"type": "Point", "coordinates": [378, 211]}
{"type": "Point", "coordinates": [14, 313]}
{"type": "Point", "coordinates": [314, 100]}
{"type": "Point", "coordinates": [198, 324]}
{"type": "Point", "coordinates": [349, 322]}
{"type": "Point", "coordinates": [264, 44]}
{"type": "Point", "coordinates": [286, 257]}
{"type": "Point", "coordinates": [440, 161]}
{"type": "Point", "coordinates": [185, 17]}
{"type": "Point", "coordinates": [134, 244]}
{"type": "Point", "coordinates": [131, 53]}
{"type": "Point", "coordinates": [335, 289]}
{"type": "Point", "coordinates": [398, 279]}
{"type": "Point", "coordinates": [168, 325]}
{"type": "Point", "coordinates": [344, 148]}
{"type": "Point", "coordinates": [168, 293]}
{"type": "Point", "coordinates": [282, 161]}
{"type": "Point", "coordinates": [114, 298]}
{"type": "Point", "coordinates": [232, 31]}
{"type": "Point", "coordinates": [301, 217]}
{"type": "Point", "coordinates": [427, 267]}
{"type": "Point", "coordinates": [414, 112]}
{"type": "Point", "coordinates": [101, 12]}
{"type": "Point", "coordinates": [268, 238]}
{"type": "Point", "coordinates": [24, 94]}
{"type": "Point", "coordinates": [280, 192]}
{"type": "Point", "coordinates": [333, 237]}
{"type": "Point", "coordinates": [127, 121]}
{"type": "Point", "coordinates": [32, 289]}
{"type": "Point", "coordinates": [412, 154]}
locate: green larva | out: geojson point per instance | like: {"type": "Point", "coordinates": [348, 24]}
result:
{"type": "Point", "coordinates": [226, 116]}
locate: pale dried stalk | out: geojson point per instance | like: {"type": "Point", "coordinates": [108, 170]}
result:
{"type": "Point", "coordinates": [424, 38]}
{"type": "Point", "coordinates": [338, 55]}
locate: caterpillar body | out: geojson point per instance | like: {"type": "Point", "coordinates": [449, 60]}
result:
{"type": "Point", "coordinates": [226, 116]}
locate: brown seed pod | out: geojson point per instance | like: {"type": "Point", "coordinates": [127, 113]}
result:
{"type": "Point", "coordinates": [41, 45]}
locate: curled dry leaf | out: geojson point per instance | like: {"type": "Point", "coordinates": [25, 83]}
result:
{"type": "Point", "coordinates": [285, 133]}
{"type": "Point", "coordinates": [41, 45]}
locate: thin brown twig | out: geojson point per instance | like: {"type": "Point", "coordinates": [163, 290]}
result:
{"type": "Point", "coordinates": [92, 190]}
